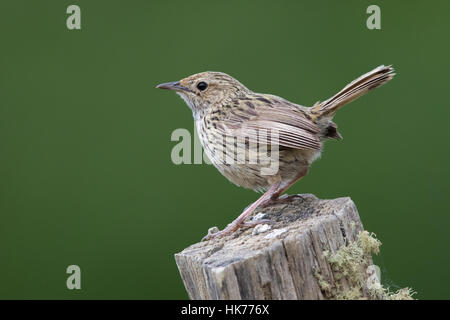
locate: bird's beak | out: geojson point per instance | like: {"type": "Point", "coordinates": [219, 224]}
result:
{"type": "Point", "coordinates": [175, 85]}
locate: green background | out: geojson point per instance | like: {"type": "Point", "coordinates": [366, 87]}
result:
{"type": "Point", "coordinates": [86, 176]}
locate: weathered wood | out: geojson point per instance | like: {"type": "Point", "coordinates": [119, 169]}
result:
{"type": "Point", "coordinates": [286, 261]}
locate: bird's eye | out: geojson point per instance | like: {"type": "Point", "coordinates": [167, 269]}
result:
{"type": "Point", "coordinates": [202, 86]}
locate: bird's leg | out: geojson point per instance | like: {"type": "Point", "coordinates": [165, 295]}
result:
{"type": "Point", "coordinates": [239, 221]}
{"type": "Point", "coordinates": [275, 198]}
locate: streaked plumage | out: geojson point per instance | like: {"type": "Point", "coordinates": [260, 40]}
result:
{"type": "Point", "coordinates": [225, 108]}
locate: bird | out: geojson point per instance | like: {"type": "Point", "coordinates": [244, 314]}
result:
{"type": "Point", "coordinates": [238, 128]}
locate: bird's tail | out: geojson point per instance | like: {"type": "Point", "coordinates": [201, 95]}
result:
{"type": "Point", "coordinates": [353, 90]}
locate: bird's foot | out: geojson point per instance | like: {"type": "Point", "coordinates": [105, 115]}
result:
{"type": "Point", "coordinates": [279, 200]}
{"type": "Point", "coordinates": [215, 233]}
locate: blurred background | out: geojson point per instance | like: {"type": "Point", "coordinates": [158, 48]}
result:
{"type": "Point", "coordinates": [86, 176]}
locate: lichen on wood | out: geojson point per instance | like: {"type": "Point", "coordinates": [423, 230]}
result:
{"type": "Point", "coordinates": [353, 261]}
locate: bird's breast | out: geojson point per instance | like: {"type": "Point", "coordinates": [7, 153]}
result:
{"type": "Point", "coordinates": [251, 165]}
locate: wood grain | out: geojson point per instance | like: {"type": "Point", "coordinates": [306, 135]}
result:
{"type": "Point", "coordinates": [284, 262]}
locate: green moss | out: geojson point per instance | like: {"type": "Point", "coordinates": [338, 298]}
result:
{"type": "Point", "coordinates": [324, 285]}
{"type": "Point", "coordinates": [350, 294]}
{"type": "Point", "coordinates": [352, 262]}
{"type": "Point", "coordinates": [402, 294]}
{"type": "Point", "coordinates": [368, 242]}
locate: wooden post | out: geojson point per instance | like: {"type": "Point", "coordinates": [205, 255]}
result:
{"type": "Point", "coordinates": [299, 255]}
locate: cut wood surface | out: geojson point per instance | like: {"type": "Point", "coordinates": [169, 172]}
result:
{"type": "Point", "coordinates": [288, 258]}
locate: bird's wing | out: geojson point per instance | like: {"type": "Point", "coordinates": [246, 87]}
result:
{"type": "Point", "coordinates": [260, 117]}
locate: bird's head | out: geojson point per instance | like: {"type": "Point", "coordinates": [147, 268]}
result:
{"type": "Point", "coordinates": [204, 90]}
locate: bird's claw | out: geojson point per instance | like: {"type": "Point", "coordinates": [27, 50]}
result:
{"type": "Point", "coordinates": [283, 199]}
{"type": "Point", "coordinates": [215, 233]}
{"type": "Point", "coordinates": [253, 223]}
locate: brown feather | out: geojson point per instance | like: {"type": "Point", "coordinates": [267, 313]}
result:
{"type": "Point", "coordinates": [277, 116]}
{"type": "Point", "coordinates": [353, 90]}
